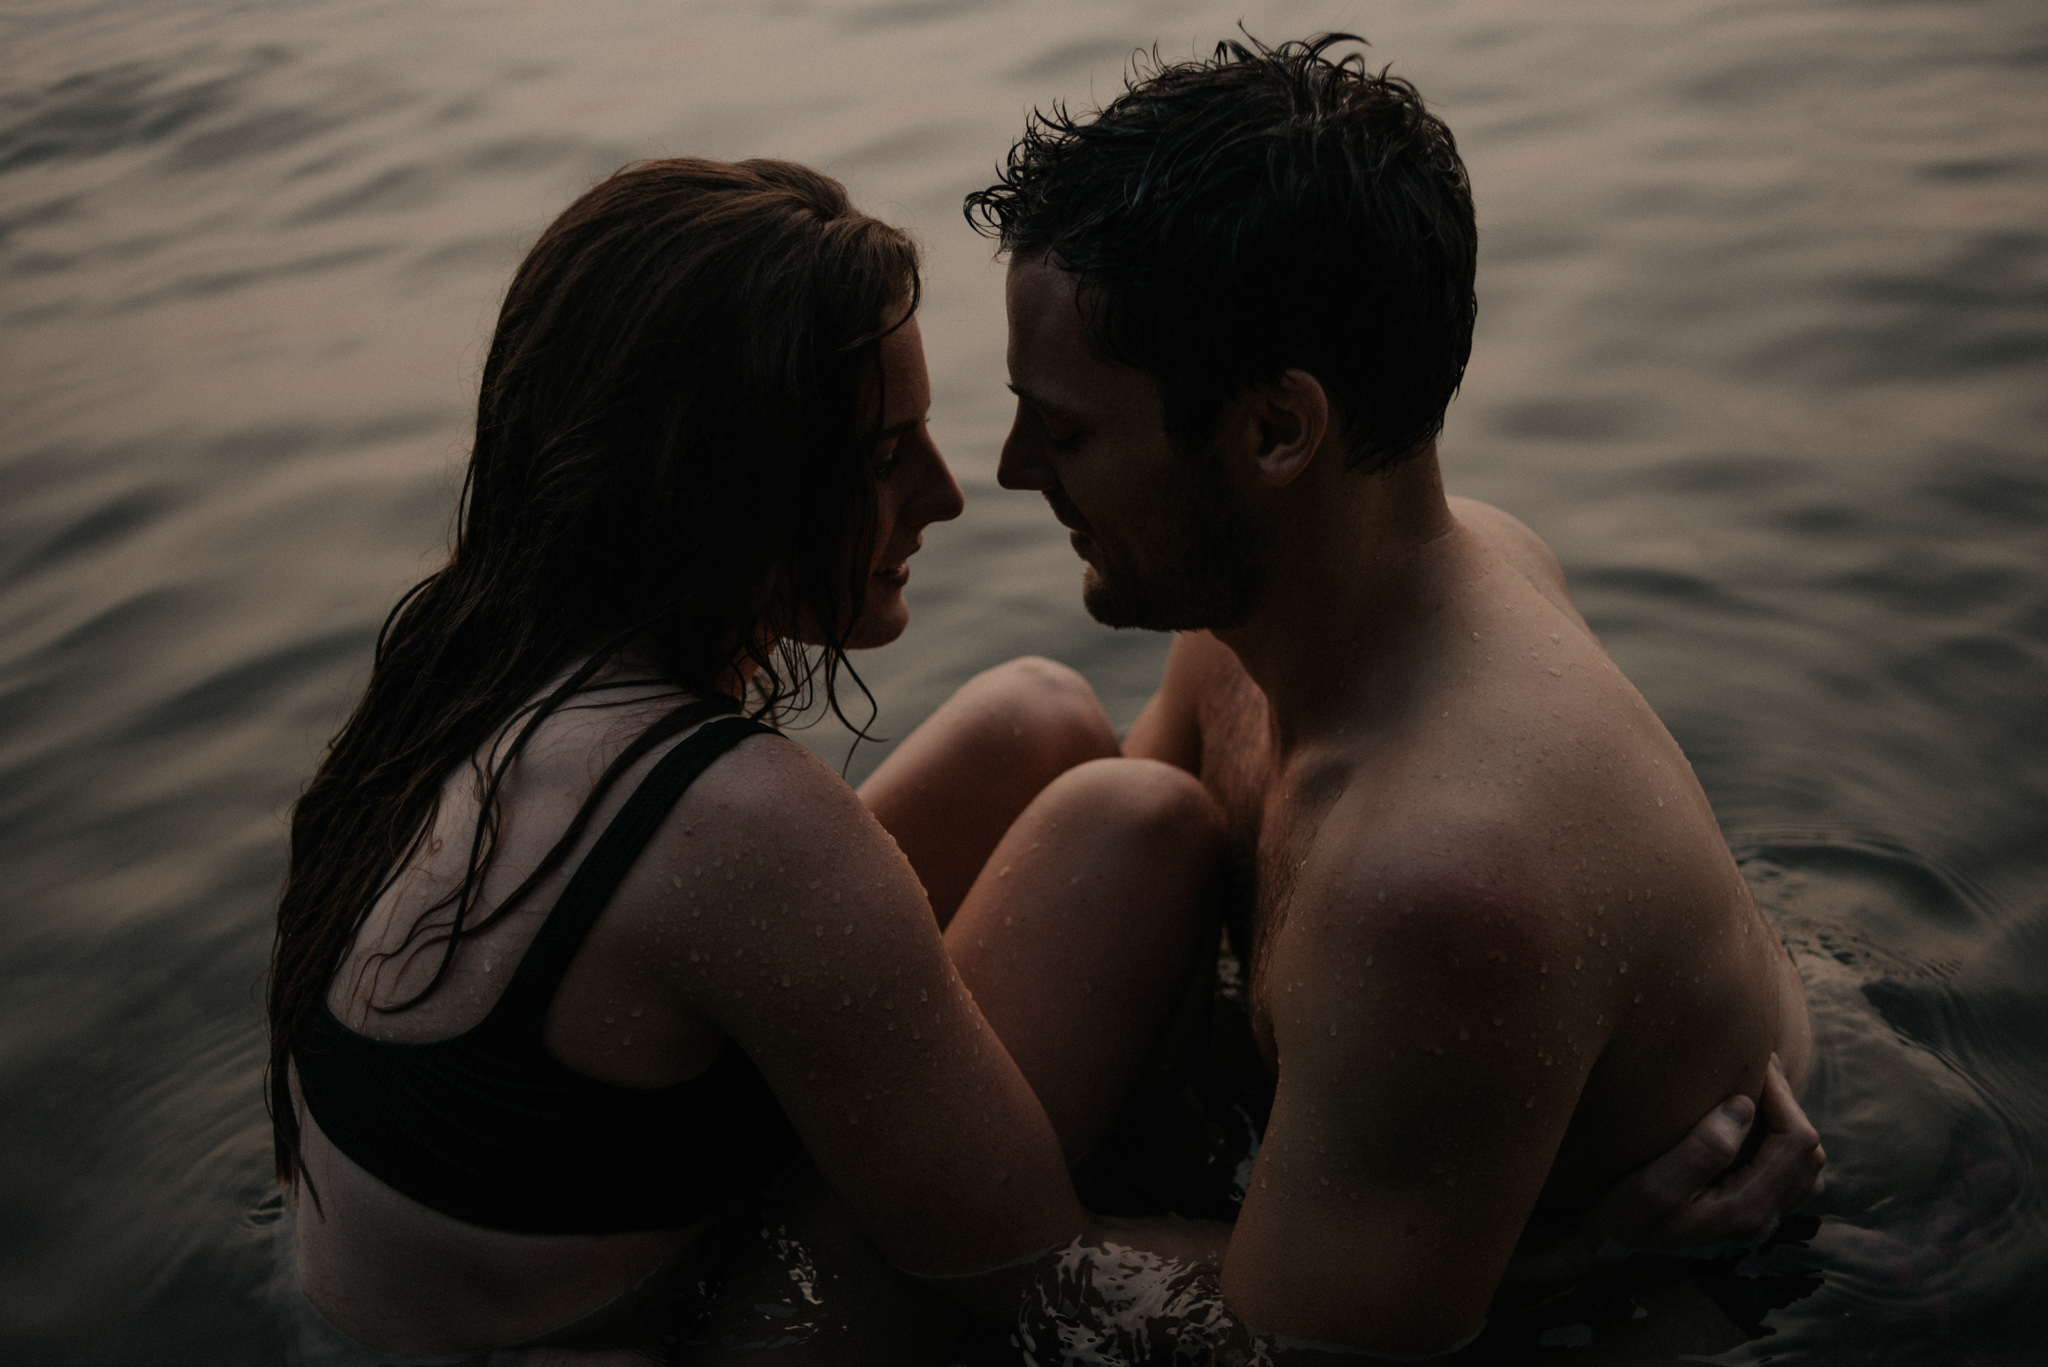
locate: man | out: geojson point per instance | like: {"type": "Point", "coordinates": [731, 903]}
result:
{"type": "Point", "coordinates": [1500, 954]}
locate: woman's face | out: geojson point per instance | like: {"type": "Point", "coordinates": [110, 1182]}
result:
{"type": "Point", "coordinates": [913, 487]}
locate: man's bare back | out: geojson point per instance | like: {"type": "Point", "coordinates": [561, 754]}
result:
{"type": "Point", "coordinates": [1503, 898]}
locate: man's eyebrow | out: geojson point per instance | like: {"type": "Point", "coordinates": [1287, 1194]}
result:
{"type": "Point", "coordinates": [1042, 404]}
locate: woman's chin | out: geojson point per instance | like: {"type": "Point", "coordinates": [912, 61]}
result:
{"type": "Point", "coordinates": [875, 629]}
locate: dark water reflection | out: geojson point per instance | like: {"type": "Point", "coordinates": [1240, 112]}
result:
{"type": "Point", "coordinates": [1763, 339]}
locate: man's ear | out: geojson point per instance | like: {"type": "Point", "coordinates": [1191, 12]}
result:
{"type": "Point", "coordinates": [1287, 420]}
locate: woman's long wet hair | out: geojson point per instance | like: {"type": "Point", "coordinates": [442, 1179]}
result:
{"type": "Point", "coordinates": [673, 458]}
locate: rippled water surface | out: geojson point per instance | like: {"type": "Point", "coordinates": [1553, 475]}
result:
{"type": "Point", "coordinates": [1762, 349]}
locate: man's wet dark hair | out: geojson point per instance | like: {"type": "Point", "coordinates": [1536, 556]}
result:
{"type": "Point", "coordinates": [1267, 209]}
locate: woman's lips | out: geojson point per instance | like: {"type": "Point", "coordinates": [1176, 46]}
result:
{"type": "Point", "coordinates": [894, 576]}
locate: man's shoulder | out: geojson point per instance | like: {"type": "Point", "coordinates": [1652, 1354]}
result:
{"type": "Point", "coordinates": [1508, 537]}
{"type": "Point", "coordinates": [1434, 885]}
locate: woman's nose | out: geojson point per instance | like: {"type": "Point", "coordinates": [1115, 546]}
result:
{"type": "Point", "coordinates": [940, 500]}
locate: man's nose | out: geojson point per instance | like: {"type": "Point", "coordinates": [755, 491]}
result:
{"type": "Point", "coordinates": [1021, 465]}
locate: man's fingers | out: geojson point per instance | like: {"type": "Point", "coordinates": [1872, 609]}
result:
{"type": "Point", "coordinates": [1695, 1194]}
{"type": "Point", "coordinates": [1705, 1153]}
{"type": "Point", "coordinates": [1777, 1177]}
{"type": "Point", "coordinates": [1781, 1113]}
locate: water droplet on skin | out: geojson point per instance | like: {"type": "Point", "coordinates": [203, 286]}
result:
{"type": "Point", "coordinates": [609, 1019]}
{"type": "Point", "coordinates": [814, 885]}
{"type": "Point", "coordinates": [1553, 638]}
{"type": "Point", "coordinates": [1577, 962]}
{"type": "Point", "coordinates": [1530, 1104]}
{"type": "Point", "coordinates": [1003, 872]}
{"type": "Point", "coordinates": [1009, 920]}
{"type": "Point", "coordinates": [1559, 673]}
{"type": "Point", "coordinates": [1500, 1020]}
{"type": "Point", "coordinates": [785, 980]}
{"type": "Point", "coordinates": [1333, 1029]}
{"type": "Point", "coordinates": [1624, 965]}
{"type": "Point", "coordinates": [676, 878]}
{"type": "Point", "coordinates": [849, 927]}
{"type": "Point", "coordinates": [1368, 961]}
{"type": "Point", "coordinates": [835, 896]}
{"type": "Point", "coordinates": [638, 1007]}
{"type": "Point", "coordinates": [1639, 997]}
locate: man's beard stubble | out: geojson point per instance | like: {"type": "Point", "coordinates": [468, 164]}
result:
{"type": "Point", "coordinates": [1212, 573]}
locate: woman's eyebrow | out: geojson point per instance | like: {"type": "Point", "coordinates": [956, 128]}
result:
{"type": "Point", "coordinates": [899, 429]}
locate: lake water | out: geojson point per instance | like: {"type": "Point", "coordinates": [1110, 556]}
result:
{"type": "Point", "coordinates": [1762, 347]}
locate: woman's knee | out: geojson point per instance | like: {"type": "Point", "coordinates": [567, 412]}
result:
{"type": "Point", "coordinates": [1140, 801]}
{"type": "Point", "coordinates": [1036, 706]}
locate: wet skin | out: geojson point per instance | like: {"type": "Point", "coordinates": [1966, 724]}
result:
{"type": "Point", "coordinates": [1502, 953]}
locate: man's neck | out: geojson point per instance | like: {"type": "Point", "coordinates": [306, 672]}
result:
{"type": "Point", "coordinates": [1358, 563]}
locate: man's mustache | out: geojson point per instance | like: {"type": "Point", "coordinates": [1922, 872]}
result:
{"type": "Point", "coordinates": [1064, 512]}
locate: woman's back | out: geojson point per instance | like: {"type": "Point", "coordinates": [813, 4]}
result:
{"type": "Point", "coordinates": [768, 907]}
{"type": "Point", "coordinates": [394, 1270]}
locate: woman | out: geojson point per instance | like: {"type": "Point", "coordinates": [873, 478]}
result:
{"type": "Point", "coordinates": [701, 466]}
{"type": "Point", "coordinates": [574, 960]}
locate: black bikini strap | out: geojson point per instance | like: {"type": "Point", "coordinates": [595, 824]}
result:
{"type": "Point", "coordinates": [524, 1005]}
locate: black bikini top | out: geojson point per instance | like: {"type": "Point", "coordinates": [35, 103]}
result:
{"type": "Point", "coordinates": [490, 1128]}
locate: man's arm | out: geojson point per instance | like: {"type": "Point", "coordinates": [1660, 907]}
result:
{"type": "Point", "coordinates": [1428, 1072]}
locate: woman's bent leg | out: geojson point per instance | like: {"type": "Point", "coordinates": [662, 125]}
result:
{"type": "Point", "coordinates": [957, 782]}
{"type": "Point", "coordinates": [1081, 936]}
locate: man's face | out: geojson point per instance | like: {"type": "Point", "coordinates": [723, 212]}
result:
{"type": "Point", "coordinates": [1167, 545]}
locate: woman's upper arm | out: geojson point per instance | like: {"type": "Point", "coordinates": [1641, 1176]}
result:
{"type": "Point", "coordinates": [812, 945]}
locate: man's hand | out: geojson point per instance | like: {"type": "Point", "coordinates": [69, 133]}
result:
{"type": "Point", "coordinates": [1694, 1195]}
